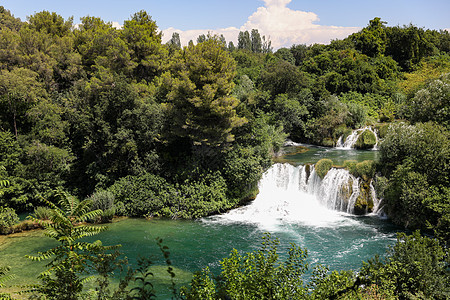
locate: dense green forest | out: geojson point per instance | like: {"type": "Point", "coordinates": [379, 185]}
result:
{"type": "Point", "coordinates": [134, 127]}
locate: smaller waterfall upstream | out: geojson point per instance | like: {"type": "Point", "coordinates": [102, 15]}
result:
{"type": "Point", "coordinates": [350, 141]}
{"type": "Point", "coordinates": [298, 195]}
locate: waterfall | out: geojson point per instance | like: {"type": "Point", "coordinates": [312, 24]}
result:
{"type": "Point", "coordinates": [289, 194]}
{"type": "Point", "coordinates": [350, 141]}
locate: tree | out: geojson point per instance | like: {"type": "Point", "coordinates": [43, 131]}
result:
{"type": "Point", "coordinates": [143, 39]}
{"type": "Point", "coordinates": [414, 268]}
{"type": "Point", "coordinates": [244, 41]}
{"type": "Point", "coordinates": [282, 77]}
{"type": "Point", "coordinates": [175, 41]}
{"type": "Point", "coordinates": [201, 38]}
{"type": "Point", "coordinates": [72, 258]}
{"type": "Point", "coordinates": [299, 53]}
{"type": "Point", "coordinates": [408, 45]}
{"type": "Point", "coordinates": [50, 23]}
{"type": "Point", "coordinates": [3, 182]}
{"type": "Point", "coordinates": [256, 41]}
{"type": "Point", "coordinates": [201, 104]}
{"type": "Point", "coordinates": [371, 40]}
{"type": "Point", "coordinates": [7, 20]}
{"type": "Point", "coordinates": [432, 102]}
{"type": "Point", "coordinates": [286, 55]}
{"type": "Point", "coordinates": [19, 90]}
{"type": "Point", "coordinates": [101, 46]}
{"type": "Point", "coordinates": [231, 46]}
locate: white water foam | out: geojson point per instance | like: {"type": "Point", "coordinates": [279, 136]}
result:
{"type": "Point", "coordinates": [350, 141]}
{"type": "Point", "coordinates": [288, 195]}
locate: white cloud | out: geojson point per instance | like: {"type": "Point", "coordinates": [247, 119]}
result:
{"type": "Point", "coordinates": [281, 24]}
{"type": "Point", "coordinates": [116, 25]}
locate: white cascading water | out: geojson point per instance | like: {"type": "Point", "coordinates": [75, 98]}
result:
{"type": "Point", "coordinates": [350, 141]}
{"type": "Point", "coordinates": [288, 195]}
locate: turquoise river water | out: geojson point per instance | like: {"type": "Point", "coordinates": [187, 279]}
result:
{"type": "Point", "coordinates": [290, 213]}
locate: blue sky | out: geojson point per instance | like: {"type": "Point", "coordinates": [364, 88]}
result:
{"type": "Point", "coordinates": [285, 21]}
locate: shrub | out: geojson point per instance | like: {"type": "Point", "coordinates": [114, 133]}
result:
{"type": "Point", "coordinates": [323, 166]}
{"type": "Point", "coordinates": [103, 200]}
{"type": "Point", "coordinates": [365, 169]}
{"type": "Point", "coordinates": [414, 268]}
{"type": "Point", "coordinates": [366, 140]}
{"type": "Point", "coordinates": [152, 196]}
{"type": "Point", "coordinates": [42, 213]}
{"type": "Point", "coordinates": [256, 275]}
{"type": "Point", "coordinates": [8, 218]}
{"type": "Point", "coordinates": [143, 195]}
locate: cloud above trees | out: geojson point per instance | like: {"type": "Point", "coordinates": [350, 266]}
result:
{"type": "Point", "coordinates": [283, 25]}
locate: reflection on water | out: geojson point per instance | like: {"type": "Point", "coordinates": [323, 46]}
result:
{"type": "Point", "coordinates": [298, 156]}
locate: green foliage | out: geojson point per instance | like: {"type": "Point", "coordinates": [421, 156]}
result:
{"type": "Point", "coordinates": [291, 114]}
{"type": "Point", "coordinates": [255, 275]}
{"type": "Point", "coordinates": [371, 40]}
{"type": "Point", "coordinates": [408, 45]}
{"type": "Point", "coordinates": [366, 140]}
{"type": "Point", "coordinates": [365, 169]}
{"type": "Point", "coordinates": [70, 260]}
{"type": "Point", "coordinates": [201, 105]}
{"type": "Point", "coordinates": [424, 146]}
{"type": "Point", "coordinates": [325, 285]}
{"type": "Point", "coordinates": [281, 77]}
{"type": "Point", "coordinates": [103, 200]}
{"type": "Point", "coordinates": [357, 115]}
{"type": "Point", "coordinates": [50, 23]}
{"type": "Point", "coordinates": [8, 218]}
{"type": "Point", "coordinates": [152, 196]}
{"type": "Point", "coordinates": [285, 54]}
{"type": "Point", "coordinates": [144, 42]}
{"type": "Point", "coordinates": [327, 127]}
{"type": "Point", "coordinates": [7, 20]}
{"type": "Point", "coordinates": [415, 266]}
{"type": "Point", "coordinates": [323, 166]}
{"type": "Point", "coordinates": [416, 160]}
{"type": "Point", "coordinates": [341, 71]}
{"type": "Point", "coordinates": [19, 90]}
{"type": "Point", "coordinates": [42, 213]}
{"type": "Point", "coordinates": [4, 277]}
{"type": "Point", "coordinates": [432, 102]}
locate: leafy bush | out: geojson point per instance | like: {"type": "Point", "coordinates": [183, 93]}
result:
{"type": "Point", "coordinates": [366, 140]}
{"type": "Point", "coordinates": [432, 102]}
{"type": "Point", "coordinates": [365, 169]}
{"type": "Point", "coordinates": [152, 196]}
{"type": "Point", "coordinates": [103, 200]}
{"type": "Point", "coordinates": [8, 218]}
{"type": "Point", "coordinates": [416, 161]}
{"type": "Point", "coordinates": [255, 275]}
{"type": "Point", "coordinates": [414, 268]}
{"type": "Point", "coordinates": [323, 166]}
{"type": "Point", "coordinates": [143, 195]}
{"type": "Point", "coordinates": [425, 147]}
{"type": "Point", "coordinates": [42, 213]}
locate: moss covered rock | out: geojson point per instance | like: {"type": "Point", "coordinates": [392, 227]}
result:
{"type": "Point", "coordinates": [364, 202]}
{"type": "Point", "coordinates": [366, 140]}
{"type": "Point", "coordinates": [364, 169]}
{"type": "Point", "coordinates": [323, 166]}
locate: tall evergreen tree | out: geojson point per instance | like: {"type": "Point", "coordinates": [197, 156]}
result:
{"type": "Point", "coordinates": [203, 108]}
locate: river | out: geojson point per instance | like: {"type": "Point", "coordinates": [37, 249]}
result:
{"type": "Point", "coordinates": [286, 207]}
